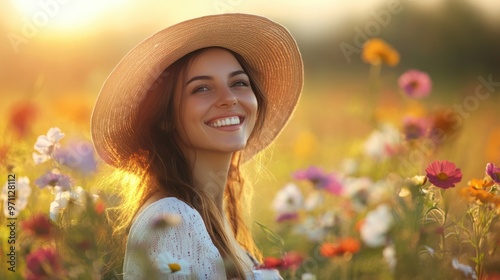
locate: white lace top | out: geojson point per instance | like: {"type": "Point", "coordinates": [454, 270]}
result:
{"type": "Point", "coordinates": [163, 251]}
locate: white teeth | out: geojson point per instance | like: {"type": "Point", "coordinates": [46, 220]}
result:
{"type": "Point", "coordinates": [225, 121]}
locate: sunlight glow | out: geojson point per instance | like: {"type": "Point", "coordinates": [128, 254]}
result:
{"type": "Point", "coordinates": [64, 14]}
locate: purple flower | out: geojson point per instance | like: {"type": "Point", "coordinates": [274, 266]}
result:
{"type": "Point", "coordinates": [415, 128]}
{"type": "Point", "coordinates": [415, 83]}
{"type": "Point", "coordinates": [54, 179]}
{"type": "Point", "coordinates": [494, 172]}
{"type": "Point", "coordinates": [320, 179]}
{"type": "Point", "coordinates": [79, 155]}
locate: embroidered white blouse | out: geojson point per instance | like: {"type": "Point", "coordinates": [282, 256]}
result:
{"type": "Point", "coordinates": [189, 241]}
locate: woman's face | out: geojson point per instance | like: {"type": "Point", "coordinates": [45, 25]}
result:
{"type": "Point", "coordinates": [216, 108]}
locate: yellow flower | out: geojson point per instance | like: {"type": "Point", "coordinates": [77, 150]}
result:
{"type": "Point", "coordinates": [376, 51]}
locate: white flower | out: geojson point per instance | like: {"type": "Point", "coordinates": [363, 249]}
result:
{"type": "Point", "coordinates": [46, 144]}
{"type": "Point", "coordinates": [308, 276]}
{"type": "Point", "coordinates": [22, 193]}
{"type": "Point", "coordinates": [61, 199]}
{"type": "Point", "coordinates": [376, 225]}
{"type": "Point", "coordinates": [383, 143]}
{"type": "Point", "coordinates": [314, 199]}
{"type": "Point", "coordinates": [389, 254]}
{"type": "Point", "coordinates": [465, 269]}
{"type": "Point", "coordinates": [288, 200]}
{"type": "Point", "coordinates": [312, 228]}
{"type": "Point", "coordinates": [167, 264]}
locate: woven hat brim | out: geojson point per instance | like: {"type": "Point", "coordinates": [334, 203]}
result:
{"type": "Point", "coordinates": [267, 47]}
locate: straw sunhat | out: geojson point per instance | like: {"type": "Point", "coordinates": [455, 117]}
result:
{"type": "Point", "coordinates": [266, 46]}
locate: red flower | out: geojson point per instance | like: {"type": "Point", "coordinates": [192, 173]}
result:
{"type": "Point", "coordinates": [22, 115]}
{"type": "Point", "coordinates": [272, 263]}
{"type": "Point", "coordinates": [43, 263]}
{"type": "Point", "coordinates": [292, 260]}
{"type": "Point", "coordinates": [329, 250]}
{"type": "Point", "coordinates": [443, 174]}
{"type": "Point", "coordinates": [38, 225]}
{"type": "Point", "coordinates": [100, 206]}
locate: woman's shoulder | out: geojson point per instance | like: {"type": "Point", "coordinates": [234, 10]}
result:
{"type": "Point", "coordinates": [164, 211]}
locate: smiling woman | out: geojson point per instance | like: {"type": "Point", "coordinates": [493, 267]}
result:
{"type": "Point", "coordinates": [226, 87]}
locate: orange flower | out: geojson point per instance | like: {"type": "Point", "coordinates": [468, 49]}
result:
{"type": "Point", "coordinates": [376, 51]}
{"type": "Point", "coordinates": [22, 115]}
{"type": "Point", "coordinates": [479, 184]}
{"type": "Point", "coordinates": [345, 245]}
{"type": "Point", "coordinates": [479, 195]}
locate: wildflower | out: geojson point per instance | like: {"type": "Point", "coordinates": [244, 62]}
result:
{"type": "Point", "coordinates": [444, 125]}
{"type": "Point", "coordinates": [375, 226]}
{"type": "Point", "coordinates": [46, 144]}
{"type": "Point", "coordinates": [443, 174]}
{"type": "Point", "coordinates": [79, 155]}
{"type": "Point", "coordinates": [287, 217]}
{"type": "Point", "coordinates": [345, 245]}
{"type": "Point", "coordinates": [494, 172]}
{"type": "Point", "coordinates": [54, 179]}
{"type": "Point", "coordinates": [38, 225]}
{"type": "Point", "coordinates": [415, 83]}
{"type": "Point", "coordinates": [292, 260]}
{"type": "Point", "coordinates": [320, 179]}
{"type": "Point", "coordinates": [271, 263]}
{"type": "Point", "coordinates": [308, 276]}
{"type": "Point", "coordinates": [288, 200]}
{"type": "Point", "coordinates": [480, 184]}
{"type": "Point", "coordinates": [166, 220]}
{"type": "Point", "coordinates": [313, 228]}
{"type": "Point", "coordinates": [468, 271]}
{"type": "Point", "coordinates": [383, 143]}
{"type": "Point", "coordinates": [376, 51]}
{"type": "Point", "coordinates": [22, 115]}
{"type": "Point", "coordinates": [23, 192]}
{"type": "Point", "coordinates": [43, 263]}
{"type": "Point", "coordinates": [167, 264]}
{"type": "Point", "coordinates": [313, 200]}
{"type": "Point", "coordinates": [415, 128]}
{"type": "Point", "coordinates": [62, 198]}
{"type": "Point", "coordinates": [389, 254]}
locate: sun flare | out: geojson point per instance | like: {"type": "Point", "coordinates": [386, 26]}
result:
{"type": "Point", "coordinates": [64, 14]}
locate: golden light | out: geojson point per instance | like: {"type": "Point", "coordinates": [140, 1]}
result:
{"type": "Point", "coordinates": [64, 14]}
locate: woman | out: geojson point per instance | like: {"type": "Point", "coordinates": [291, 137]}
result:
{"type": "Point", "coordinates": [176, 118]}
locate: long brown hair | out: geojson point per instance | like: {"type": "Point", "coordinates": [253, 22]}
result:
{"type": "Point", "coordinates": [160, 166]}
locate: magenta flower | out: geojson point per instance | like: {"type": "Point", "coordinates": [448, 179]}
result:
{"type": "Point", "coordinates": [415, 83]}
{"type": "Point", "coordinates": [415, 128]}
{"type": "Point", "coordinates": [43, 263]}
{"type": "Point", "coordinates": [443, 174]}
{"type": "Point", "coordinates": [320, 179]}
{"type": "Point", "coordinates": [494, 172]}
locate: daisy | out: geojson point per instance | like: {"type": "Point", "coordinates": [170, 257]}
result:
{"type": "Point", "coordinates": [167, 264]}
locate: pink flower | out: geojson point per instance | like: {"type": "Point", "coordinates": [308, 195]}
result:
{"type": "Point", "coordinates": [443, 174]}
{"type": "Point", "coordinates": [43, 263]}
{"type": "Point", "coordinates": [38, 225]}
{"type": "Point", "coordinates": [415, 128]}
{"type": "Point", "coordinates": [494, 172]}
{"type": "Point", "coordinates": [320, 179]}
{"type": "Point", "coordinates": [415, 83]}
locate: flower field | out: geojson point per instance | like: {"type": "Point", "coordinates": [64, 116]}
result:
{"type": "Point", "coordinates": [384, 172]}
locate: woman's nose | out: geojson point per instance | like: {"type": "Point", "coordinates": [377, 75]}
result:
{"type": "Point", "coordinates": [227, 98]}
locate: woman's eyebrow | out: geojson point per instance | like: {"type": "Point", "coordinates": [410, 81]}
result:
{"type": "Point", "coordinates": [206, 77]}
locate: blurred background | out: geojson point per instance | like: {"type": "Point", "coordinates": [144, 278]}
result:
{"type": "Point", "coordinates": [56, 54]}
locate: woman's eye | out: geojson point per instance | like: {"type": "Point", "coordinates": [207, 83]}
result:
{"type": "Point", "coordinates": [200, 88]}
{"type": "Point", "coordinates": [241, 83]}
